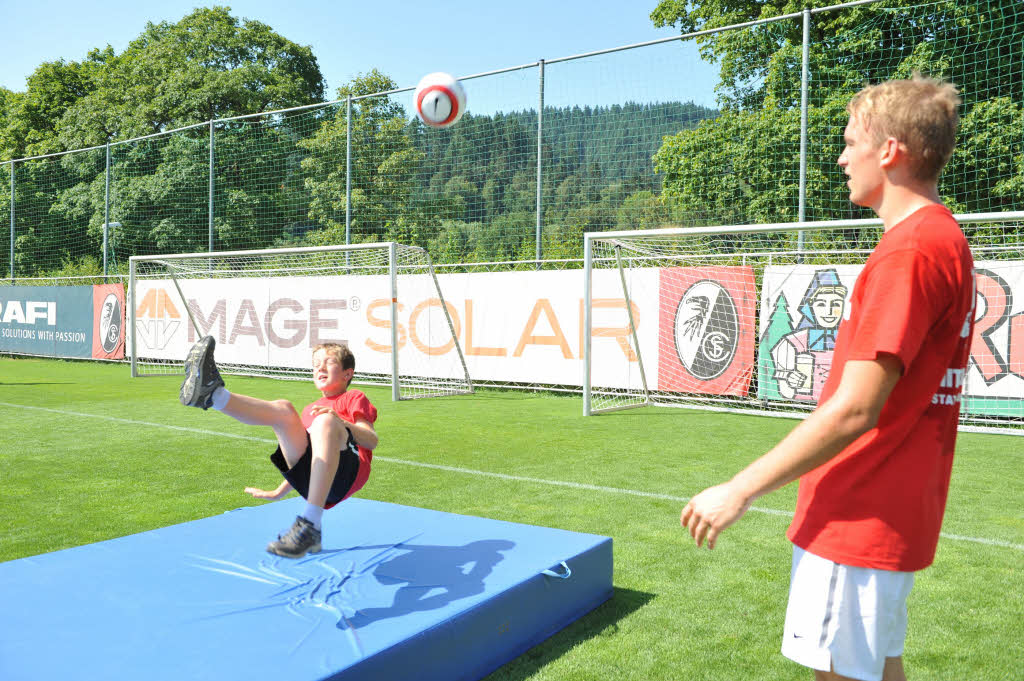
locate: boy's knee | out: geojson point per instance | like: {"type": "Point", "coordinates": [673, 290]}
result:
{"type": "Point", "coordinates": [328, 424]}
{"type": "Point", "coordinates": [285, 407]}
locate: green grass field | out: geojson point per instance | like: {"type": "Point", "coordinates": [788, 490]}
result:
{"type": "Point", "coordinates": [87, 454]}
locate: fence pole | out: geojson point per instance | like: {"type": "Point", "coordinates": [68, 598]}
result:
{"type": "Point", "coordinates": [804, 79]}
{"type": "Point", "coordinates": [209, 208]}
{"type": "Point", "coordinates": [106, 212]}
{"type": "Point", "coordinates": [12, 222]}
{"type": "Point", "coordinates": [348, 170]}
{"type": "Point", "coordinates": [540, 162]}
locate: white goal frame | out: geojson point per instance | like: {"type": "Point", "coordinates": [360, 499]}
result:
{"type": "Point", "coordinates": [397, 261]}
{"type": "Point", "coordinates": [688, 247]}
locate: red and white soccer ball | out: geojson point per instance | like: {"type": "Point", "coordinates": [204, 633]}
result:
{"type": "Point", "coordinates": [440, 100]}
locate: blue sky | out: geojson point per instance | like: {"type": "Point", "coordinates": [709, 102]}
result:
{"type": "Point", "coordinates": [405, 39]}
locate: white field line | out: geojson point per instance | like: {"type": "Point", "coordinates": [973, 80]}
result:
{"type": "Point", "coordinates": [470, 471]}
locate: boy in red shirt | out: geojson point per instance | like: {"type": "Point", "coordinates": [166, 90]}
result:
{"type": "Point", "coordinates": [874, 458]}
{"type": "Point", "coordinates": [324, 453]}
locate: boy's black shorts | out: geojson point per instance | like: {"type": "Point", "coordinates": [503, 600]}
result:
{"type": "Point", "coordinates": [298, 475]}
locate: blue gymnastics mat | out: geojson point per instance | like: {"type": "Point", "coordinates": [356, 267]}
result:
{"type": "Point", "coordinates": [397, 593]}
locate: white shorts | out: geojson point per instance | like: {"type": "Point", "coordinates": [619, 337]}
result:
{"type": "Point", "coordinates": [845, 619]}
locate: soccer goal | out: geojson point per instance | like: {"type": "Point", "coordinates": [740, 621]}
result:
{"type": "Point", "coordinates": [744, 318]}
{"type": "Point", "coordinates": [267, 310]}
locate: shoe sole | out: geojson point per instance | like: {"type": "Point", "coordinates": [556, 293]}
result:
{"type": "Point", "coordinates": [193, 373]}
{"type": "Point", "coordinates": [316, 548]}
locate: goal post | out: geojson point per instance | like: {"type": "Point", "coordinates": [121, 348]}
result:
{"type": "Point", "coordinates": [267, 309]}
{"type": "Point", "coordinates": [744, 318]}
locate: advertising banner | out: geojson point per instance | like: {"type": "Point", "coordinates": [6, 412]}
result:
{"type": "Point", "coordinates": [802, 306]}
{"type": "Point", "coordinates": [706, 329]}
{"type": "Point", "coordinates": [62, 321]}
{"type": "Point", "coordinates": [995, 373]}
{"type": "Point", "coordinates": [801, 309]}
{"type": "Point", "coordinates": [108, 321]}
{"type": "Point", "coordinates": [513, 326]}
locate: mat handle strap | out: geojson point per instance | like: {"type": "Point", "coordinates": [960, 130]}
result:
{"type": "Point", "coordinates": [552, 573]}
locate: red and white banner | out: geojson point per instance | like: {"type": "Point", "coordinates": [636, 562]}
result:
{"type": "Point", "coordinates": [706, 329]}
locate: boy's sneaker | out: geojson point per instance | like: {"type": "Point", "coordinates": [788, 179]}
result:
{"type": "Point", "coordinates": [201, 375]}
{"type": "Point", "coordinates": [302, 538]}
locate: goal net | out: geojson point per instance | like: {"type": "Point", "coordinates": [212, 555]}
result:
{"type": "Point", "coordinates": [268, 309]}
{"type": "Point", "coordinates": [744, 318]}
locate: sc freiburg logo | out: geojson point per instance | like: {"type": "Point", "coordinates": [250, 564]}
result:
{"type": "Point", "coordinates": [110, 323]}
{"type": "Point", "coordinates": [706, 330]}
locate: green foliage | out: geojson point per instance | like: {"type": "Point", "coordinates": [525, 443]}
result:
{"type": "Point", "coordinates": [744, 165]}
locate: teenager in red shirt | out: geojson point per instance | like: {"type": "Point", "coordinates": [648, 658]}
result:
{"type": "Point", "coordinates": [874, 458]}
{"type": "Point", "coordinates": [324, 453]}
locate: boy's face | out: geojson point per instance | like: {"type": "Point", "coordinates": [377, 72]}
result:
{"type": "Point", "coordinates": [860, 162]}
{"type": "Point", "coordinates": [328, 376]}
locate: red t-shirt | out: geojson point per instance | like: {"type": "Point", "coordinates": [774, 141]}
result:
{"type": "Point", "coordinates": [879, 503]}
{"type": "Point", "coordinates": [351, 405]}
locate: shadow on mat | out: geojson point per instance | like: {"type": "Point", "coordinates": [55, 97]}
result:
{"type": "Point", "coordinates": [602, 621]}
{"type": "Point", "coordinates": [433, 576]}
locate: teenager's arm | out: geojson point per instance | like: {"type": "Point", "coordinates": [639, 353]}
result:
{"type": "Point", "coordinates": [849, 413]}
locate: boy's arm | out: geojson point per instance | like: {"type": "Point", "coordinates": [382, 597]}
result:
{"type": "Point", "coordinates": [852, 411]}
{"type": "Point", "coordinates": [363, 433]}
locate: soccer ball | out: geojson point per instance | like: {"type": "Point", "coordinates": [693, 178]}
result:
{"type": "Point", "coordinates": [440, 100]}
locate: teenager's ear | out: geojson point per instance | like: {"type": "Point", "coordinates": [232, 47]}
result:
{"type": "Point", "coordinates": [892, 151]}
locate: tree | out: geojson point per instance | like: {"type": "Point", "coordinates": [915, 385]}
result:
{"type": "Point", "coordinates": [208, 65]}
{"type": "Point", "coordinates": [384, 164]}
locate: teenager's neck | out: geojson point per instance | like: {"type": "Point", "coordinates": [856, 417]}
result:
{"type": "Point", "coordinates": [901, 201]}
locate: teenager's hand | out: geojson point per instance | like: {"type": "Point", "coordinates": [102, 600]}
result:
{"type": "Point", "coordinates": [711, 511]}
{"type": "Point", "coordinates": [266, 494]}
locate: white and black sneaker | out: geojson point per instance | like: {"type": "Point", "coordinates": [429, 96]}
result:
{"type": "Point", "coordinates": [201, 375]}
{"type": "Point", "coordinates": [301, 538]}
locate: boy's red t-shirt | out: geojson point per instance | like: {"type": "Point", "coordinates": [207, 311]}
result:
{"type": "Point", "coordinates": [880, 502]}
{"type": "Point", "coordinates": [351, 405]}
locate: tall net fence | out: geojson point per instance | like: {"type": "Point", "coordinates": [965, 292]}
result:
{"type": "Point", "coordinates": [626, 139]}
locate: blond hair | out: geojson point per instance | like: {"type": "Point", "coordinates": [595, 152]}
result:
{"type": "Point", "coordinates": [922, 113]}
{"type": "Point", "coordinates": [340, 352]}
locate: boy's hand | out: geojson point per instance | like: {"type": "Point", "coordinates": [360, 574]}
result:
{"type": "Point", "coordinates": [272, 495]}
{"type": "Point", "coordinates": [318, 409]}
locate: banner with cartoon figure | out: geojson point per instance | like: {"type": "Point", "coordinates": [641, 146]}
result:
{"type": "Point", "coordinates": [801, 309]}
{"type": "Point", "coordinates": [706, 329]}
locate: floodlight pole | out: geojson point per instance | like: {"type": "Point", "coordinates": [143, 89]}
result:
{"type": "Point", "coordinates": [540, 162]}
{"type": "Point", "coordinates": [348, 169]}
{"type": "Point", "coordinates": [106, 240]}
{"type": "Point", "coordinates": [804, 79]}
{"type": "Point", "coordinates": [12, 222]}
{"type": "Point", "coordinates": [106, 211]}
{"type": "Point", "coordinates": [209, 209]}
